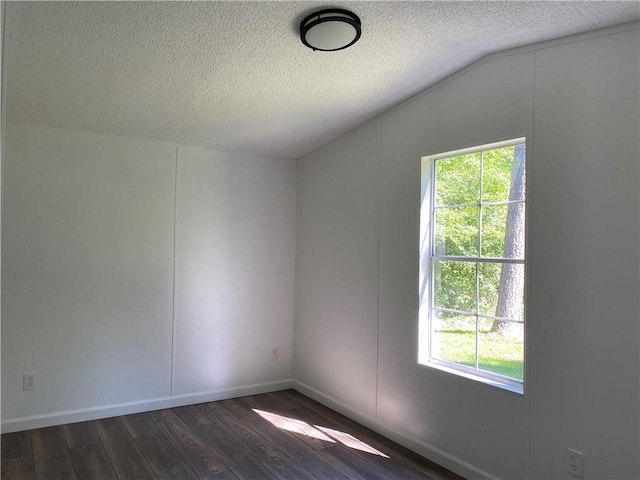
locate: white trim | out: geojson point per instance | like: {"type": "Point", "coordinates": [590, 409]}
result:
{"type": "Point", "coordinates": [474, 373]}
{"type": "Point", "coordinates": [424, 449]}
{"type": "Point", "coordinates": [453, 258]}
{"type": "Point", "coordinates": [476, 149]}
{"type": "Point", "coordinates": [480, 315]}
{"type": "Point", "coordinates": [105, 411]}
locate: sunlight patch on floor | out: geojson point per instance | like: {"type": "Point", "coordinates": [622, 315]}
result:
{"type": "Point", "coordinates": [293, 425]}
{"type": "Point", "coordinates": [350, 441]}
{"type": "Point", "coordinates": [316, 431]}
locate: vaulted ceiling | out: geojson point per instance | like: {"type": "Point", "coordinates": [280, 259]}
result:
{"type": "Point", "coordinates": [233, 76]}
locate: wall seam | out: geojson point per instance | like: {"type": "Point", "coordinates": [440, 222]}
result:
{"type": "Point", "coordinates": [294, 320]}
{"type": "Point", "coordinates": [3, 126]}
{"type": "Point", "coordinates": [174, 315]}
{"type": "Point", "coordinates": [527, 345]}
{"type": "Point", "coordinates": [379, 207]}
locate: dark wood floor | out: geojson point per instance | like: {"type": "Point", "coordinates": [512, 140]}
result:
{"type": "Point", "coordinates": [281, 435]}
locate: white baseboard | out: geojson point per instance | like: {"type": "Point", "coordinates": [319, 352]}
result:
{"type": "Point", "coordinates": [422, 448]}
{"type": "Point", "coordinates": [73, 416]}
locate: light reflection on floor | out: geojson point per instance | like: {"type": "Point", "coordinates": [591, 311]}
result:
{"type": "Point", "coordinates": [316, 431]}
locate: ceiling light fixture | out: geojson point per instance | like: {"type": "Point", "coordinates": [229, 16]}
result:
{"type": "Point", "coordinates": [330, 30]}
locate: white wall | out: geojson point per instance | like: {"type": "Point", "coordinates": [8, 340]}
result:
{"type": "Point", "coordinates": [337, 269]}
{"type": "Point", "coordinates": [235, 271]}
{"type": "Point", "coordinates": [584, 271]}
{"type": "Point", "coordinates": [88, 265]}
{"type": "Point", "coordinates": [355, 344]}
{"type": "Point", "coordinates": [88, 268]}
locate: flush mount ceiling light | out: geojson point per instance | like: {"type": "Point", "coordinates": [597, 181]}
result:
{"type": "Point", "coordinates": [330, 30]}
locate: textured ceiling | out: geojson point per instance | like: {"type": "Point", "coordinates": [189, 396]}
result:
{"type": "Point", "coordinates": [234, 77]}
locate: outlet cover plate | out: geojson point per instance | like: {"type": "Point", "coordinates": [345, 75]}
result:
{"type": "Point", "coordinates": [575, 463]}
{"type": "Point", "coordinates": [29, 381]}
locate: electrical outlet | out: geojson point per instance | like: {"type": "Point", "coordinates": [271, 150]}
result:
{"type": "Point", "coordinates": [275, 354]}
{"type": "Point", "coordinates": [575, 463]}
{"type": "Point", "coordinates": [29, 381]}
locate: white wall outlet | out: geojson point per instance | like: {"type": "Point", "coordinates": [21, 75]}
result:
{"type": "Point", "coordinates": [275, 354]}
{"type": "Point", "coordinates": [29, 381]}
{"type": "Point", "coordinates": [575, 463]}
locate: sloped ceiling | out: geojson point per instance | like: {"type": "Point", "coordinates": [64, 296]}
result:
{"type": "Point", "coordinates": [234, 76]}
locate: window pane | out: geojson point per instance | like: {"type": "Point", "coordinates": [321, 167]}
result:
{"type": "Point", "coordinates": [494, 221]}
{"type": "Point", "coordinates": [501, 290]}
{"type": "Point", "coordinates": [454, 338]}
{"type": "Point", "coordinates": [454, 285]}
{"type": "Point", "coordinates": [458, 180]}
{"type": "Point", "coordinates": [501, 351]}
{"type": "Point", "coordinates": [457, 231]}
{"type": "Point", "coordinates": [488, 285]}
{"type": "Point", "coordinates": [499, 180]}
{"type": "Point", "coordinates": [503, 230]}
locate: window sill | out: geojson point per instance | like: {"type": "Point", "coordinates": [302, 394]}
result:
{"type": "Point", "coordinates": [512, 387]}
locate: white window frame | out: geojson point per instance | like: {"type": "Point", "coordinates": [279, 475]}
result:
{"type": "Point", "coordinates": [427, 257]}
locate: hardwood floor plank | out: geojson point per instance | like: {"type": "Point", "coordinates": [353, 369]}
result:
{"type": "Point", "coordinates": [294, 397]}
{"type": "Point", "coordinates": [16, 445]}
{"type": "Point", "coordinates": [18, 468]}
{"type": "Point", "coordinates": [397, 469]}
{"type": "Point", "coordinates": [262, 446]}
{"type": "Point", "coordinates": [287, 471]}
{"type": "Point", "coordinates": [268, 402]}
{"type": "Point", "coordinates": [324, 417]}
{"type": "Point", "coordinates": [128, 462]}
{"type": "Point", "coordinates": [238, 408]}
{"type": "Point", "coordinates": [140, 424]}
{"type": "Point", "coordinates": [395, 451]}
{"type": "Point", "coordinates": [229, 475]}
{"type": "Point", "coordinates": [341, 429]}
{"type": "Point", "coordinates": [80, 434]}
{"type": "Point", "coordinates": [296, 427]}
{"type": "Point", "coordinates": [421, 464]}
{"type": "Point", "coordinates": [343, 456]}
{"type": "Point", "coordinates": [317, 413]}
{"type": "Point", "coordinates": [163, 458]}
{"type": "Point", "coordinates": [199, 455]}
{"type": "Point", "coordinates": [17, 456]}
{"type": "Point", "coordinates": [111, 430]}
{"type": "Point", "coordinates": [294, 443]}
{"type": "Point", "coordinates": [292, 446]}
{"type": "Point", "coordinates": [47, 441]}
{"type": "Point", "coordinates": [51, 458]}
{"type": "Point", "coordinates": [321, 468]}
{"type": "Point", "coordinates": [285, 401]}
{"type": "Point", "coordinates": [233, 453]}
{"type": "Point", "coordinates": [382, 467]}
{"type": "Point", "coordinates": [92, 463]}
{"type": "Point", "coordinates": [57, 466]}
{"type": "Point", "coordinates": [192, 415]}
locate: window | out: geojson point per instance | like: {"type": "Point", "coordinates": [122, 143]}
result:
{"type": "Point", "coordinates": [472, 263]}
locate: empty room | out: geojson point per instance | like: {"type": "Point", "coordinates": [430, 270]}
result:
{"type": "Point", "coordinates": [320, 240]}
